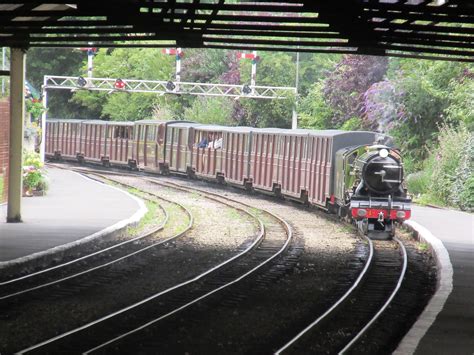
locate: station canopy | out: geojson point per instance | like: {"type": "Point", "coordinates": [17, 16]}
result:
{"type": "Point", "coordinates": [441, 29]}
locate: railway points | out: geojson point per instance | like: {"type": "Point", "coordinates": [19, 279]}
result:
{"type": "Point", "coordinates": [75, 210]}
{"type": "Point", "coordinates": [447, 325]}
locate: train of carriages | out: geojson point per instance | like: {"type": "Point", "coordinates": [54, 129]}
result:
{"type": "Point", "coordinates": [357, 175]}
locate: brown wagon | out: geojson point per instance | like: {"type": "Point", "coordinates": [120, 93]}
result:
{"type": "Point", "coordinates": [62, 138]}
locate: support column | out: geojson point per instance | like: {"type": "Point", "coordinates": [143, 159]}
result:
{"type": "Point", "coordinates": [17, 114]}
{"type": "Point", "coordinates": [44, 116]}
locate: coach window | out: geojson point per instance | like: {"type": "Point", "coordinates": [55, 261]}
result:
{"type": "Point", "coordinates": [150, 133]}
{"type": "Point", "coordinates": [121, 132]}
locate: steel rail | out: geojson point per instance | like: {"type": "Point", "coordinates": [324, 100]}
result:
{"type": "Point", "coordinates": [188, 227]}
{"type": "Point", "coordinates": [361, 276]}
{"type": "Point", "coordinates": [155, 230]}
{"type": "Point", "coordinates": [195, 279]}
{"type": "Point", "coordinates": [338, 302]}
{"type": "Point", "coordinates": [386, 304]}
{"type": "Point", "coordinates": [243, 276]}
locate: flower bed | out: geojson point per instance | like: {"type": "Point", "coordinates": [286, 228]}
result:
{"type": "Point", "coordinates": [34, 179]}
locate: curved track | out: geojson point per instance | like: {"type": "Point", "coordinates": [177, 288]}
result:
{"type": "Point", "coordinates": [340, 328]}
{"type": "Point", "coordinates": [100, 259]}
{"type": "Point", "coordinates": [271, 242]}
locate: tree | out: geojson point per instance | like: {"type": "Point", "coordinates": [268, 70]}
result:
{"type": "Point", "coordinates": [54, 61]}
{"type": "Point", "coordinates": [425, 89]}
{"type": "Point", "coordinates": [125, 63]}
{"type": "Point", "coordinates": [345, 87]}
{"type": "Point", "coordinates": [210, 110]}
{"type": "Point", "coordinates": [314, 111]}
{"type": "Point", "coordinates": [274, 69]}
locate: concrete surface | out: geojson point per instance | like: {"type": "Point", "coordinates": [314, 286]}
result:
{"type": "Point", "coordinates": [74, 208]}
{"type": "Point", "coordinates": [452, 331]}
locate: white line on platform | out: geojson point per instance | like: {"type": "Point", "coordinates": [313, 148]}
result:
{"type": "Point", "coordinates": [445, 285]}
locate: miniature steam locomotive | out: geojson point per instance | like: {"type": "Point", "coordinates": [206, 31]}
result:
{"type": "Point", "coordinates": [357, 175]}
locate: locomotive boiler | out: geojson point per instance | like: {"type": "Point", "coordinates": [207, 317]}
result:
{"type": "Point", "coordinates": [370, 189]}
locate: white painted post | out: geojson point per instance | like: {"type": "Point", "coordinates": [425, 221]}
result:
{"type": "Point", "coordinates": [43, 120]}
{"type": "Point", "coordinates": [90, 56]}
{"type": "Point", "coordinates": [253, 78]}
{"type": "Point", "coordinates": [294, 118]}
{"type": "Point", "coordinates": [17, 114]}
{"type": "Point", "coordinates": [89, 64]}
{"type": "Point", "coordinates": [178, 68]}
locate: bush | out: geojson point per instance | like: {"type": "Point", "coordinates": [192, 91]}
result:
{"type": "Point", "coordinates": [32, 159]}
{"type": "Point", "coordinates": [418, 183]}
{"type": "Point", "coordinates": [453, 166]}
{"type": "Point", "coordinates": [466, 197]}
{"type": "Point", "coordinates": [352, 124]}
{"type": "Point", "coordinates": [33, 178]}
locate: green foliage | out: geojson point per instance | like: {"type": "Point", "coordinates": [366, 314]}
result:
{"type": "Point", "coordinates": [275, 69]}
{"type": "Point", "coordinates": [314, 111]}
{"type": "Point", "coordinates": [32, 178]}
{"type": "Point", "coordinates": [204, 65]}
{"type": "Point", "coordinates": [453, 145]}
{"type": "Point", "coordinates": [35, 108]}
{"type": "Point", "coordinates": [352, 124]}
{"type": "Point", "coordinates": [466, 197]}
{"type": "Point", "coordinates": [314, 68]}
{"type": "Point", "coordinates": [426, 88]}
{"type": "Point", "coordinates": [123, 106]}
{"type": "Point", "coordinates": [55, 61]}
{"type": "Point", "coordinates": [210, 110]}
{"type": "Point", "coordinates": [268, 113]}
{"type": "Point", "coordinates": [418, 183]}
{"type": "Point", "coordinates": [125, 63]}
{"type": "Point", "coordinates": [448, 173]}
{"type": "Point", "coordinates": [461, 108]}
{"type": "Point", "coordinates": [32, 159]}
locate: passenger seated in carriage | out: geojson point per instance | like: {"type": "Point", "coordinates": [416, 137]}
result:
{"type": "Point", "coordinates": [217, 144]}
{"type": "Point", "coordinates": [203, 143]}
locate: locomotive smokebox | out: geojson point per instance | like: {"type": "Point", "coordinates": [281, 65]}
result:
{"type": "Point", "coordinates": [381, 170]}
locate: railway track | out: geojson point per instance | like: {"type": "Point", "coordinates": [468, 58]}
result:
{"type": "Point", "coordinates": [342, 326]}
{"type": "Point", "coordinates": [147, 325]}
{"type": "Point", "coordinates": [13, 290]}
{"type": "Point", "coordinates": [273, 240]}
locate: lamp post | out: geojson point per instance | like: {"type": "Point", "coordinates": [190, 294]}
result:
{"type": "Point", "coordinates": [294, 118]}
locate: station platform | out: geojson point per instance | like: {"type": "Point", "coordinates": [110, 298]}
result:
{"type": "Point", "coordinates": [447, 324]}
{"type": "Point", "coordinates": [76, 209]}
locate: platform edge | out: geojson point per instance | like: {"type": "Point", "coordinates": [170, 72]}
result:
{"type": "Point", "coordinates": [444, 288]}
{"type": "Point", "coordinates": [135, 218]}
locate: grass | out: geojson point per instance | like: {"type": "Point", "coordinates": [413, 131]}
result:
{"type": "Point", "coordinates": [423, 247]}
{"type": "Point", "coordinates": [233, 214]}
{"type": "Point", "coordinates": [147, 220]}
{"type": "Point", "coordinates": [176, 226]}
{"type": "Point", "coordinates": [429, 199]}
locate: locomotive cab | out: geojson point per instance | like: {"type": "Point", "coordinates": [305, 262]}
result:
{"type": "Point", "coordinates": [369, 189]}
